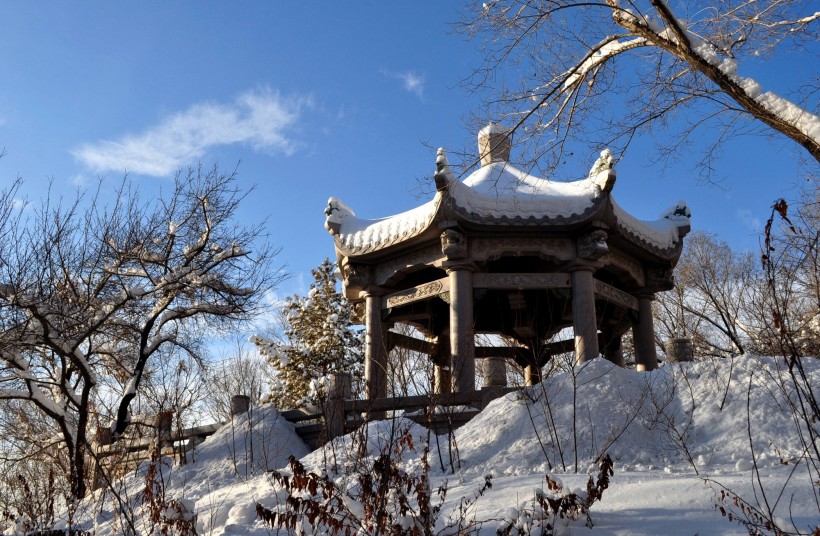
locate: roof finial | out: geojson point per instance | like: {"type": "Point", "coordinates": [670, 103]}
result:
{"type": "Point", "coordinates": [494, 143]}
{"type": "Point", "coordinates": [603, 171]}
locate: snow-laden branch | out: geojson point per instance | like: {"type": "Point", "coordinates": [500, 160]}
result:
{"type": "Point", "coordinates": [773, 110]}
{"type": "Point", "coordinates": [600, 54]}
{"type": "Point", "coordinates": [21, 371]}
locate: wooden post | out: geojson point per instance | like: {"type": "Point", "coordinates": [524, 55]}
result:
{"type": "Point", "coordinates": [339, 390]}
{"type": "Point", "coordinates": [240, 404]}
{"type": "Point", "coordinates": [375, 359]}
{"type": "Point", "coordinates": [163, 426]}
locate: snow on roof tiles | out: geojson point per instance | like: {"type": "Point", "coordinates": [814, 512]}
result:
{"type": "Point", "coordinates": [359, 236]}
{"type": "Point", "coordinates": [500, 193]}
{"type": "Point", "coordinates": [663, 234]}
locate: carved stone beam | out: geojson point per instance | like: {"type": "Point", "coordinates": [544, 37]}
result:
{"type": "Point", "coordinates": [511, 352]}
{"type": "Point", "coordinates": [561, 249]}
{"type": "Point", "coordinates": [522, 281]}
{"type": "Point", "coordinates": [616, 296]}
{"type": "Point", "coordinates": [622, 262]}
{"type": "Point", "coordinates": [560, 347]}
{"type": "Point", "coordinates": [417, 293]}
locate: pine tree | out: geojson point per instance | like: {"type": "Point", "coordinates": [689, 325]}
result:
{"type": "Point", "coordinates": [318, 340]}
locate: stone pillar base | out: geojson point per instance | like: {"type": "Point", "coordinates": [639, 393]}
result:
{"type": "Point", "coordinates": [678, 350]}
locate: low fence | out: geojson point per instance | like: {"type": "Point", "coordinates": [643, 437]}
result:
{"type": "Point", "coordinates": [114, 458]}
{"type": "Point", "coordinates": [337, 415]}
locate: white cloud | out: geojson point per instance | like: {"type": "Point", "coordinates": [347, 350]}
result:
{"type": "Point", "coordinates": [80, 180]}
{"type": "Point", "coordinates": [20, 204]}
{"type": "Point", "coordinates": [411, 81]}
{"type": "Point", "coordinates": [261, 119]}
{"type": "Point", "coordinates": [749, 220]}
{"type": "Point", "coordinates": [270, 318]}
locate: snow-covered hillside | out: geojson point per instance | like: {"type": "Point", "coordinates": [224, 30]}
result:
{"type": "Point", "coordinates": [677, 436]}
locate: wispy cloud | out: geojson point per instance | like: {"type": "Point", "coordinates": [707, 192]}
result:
{"type": "Point", "coordinates": [411, 81]}
{"type": "Point", "coordinates": [80, 180]}
{"type": "Point", "coordinates": [262, 119]}
{"type": "Point", "coordinates": [749, 220]}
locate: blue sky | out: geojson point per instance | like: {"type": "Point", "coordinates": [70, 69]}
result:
{"type": "Point", "coordinates": [341, 98]}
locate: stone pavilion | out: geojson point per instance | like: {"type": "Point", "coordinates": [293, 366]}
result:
{"type": "Point", "coordinates": [503, 253]}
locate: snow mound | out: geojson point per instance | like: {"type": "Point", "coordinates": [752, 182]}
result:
{"type": "Point", "coordinates": [679, 416]}
{"type": "Point", "coordinates": [401, 438]}
{"type": "Point", "coordinates": [666, 430]}
{"type": "Point", "coordinates": [252, 443]}
{"type": "Point", "coordinates": [595, 408]}
{"type": "Point", "coordinates": [220, 484]}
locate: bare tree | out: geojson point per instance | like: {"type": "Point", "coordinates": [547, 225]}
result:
{"type": "Point", "coordinates": [241, 373]}
{"type": "Point", "coordinates": [792, 259]}
{"type": "Point", "coordinates": [790, 265]}
{"type": "Point", "coordinates": [90, 291]}
{"type": "Point", "coordinates": [713, 303]}
{"type": "Point", "coordinates": [408, 371]}
{"type": "Point", "coordinates": [603, 72]}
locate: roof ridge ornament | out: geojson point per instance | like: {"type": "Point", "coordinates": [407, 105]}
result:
{"type": "Point", "coordinates": [335, 213]}
{"type": "Point", "coordinates": [444, 175]}
{"type": "Point", "coordinates": [602, 172]}
{"type": "Point", "coordinates": [679, 213]}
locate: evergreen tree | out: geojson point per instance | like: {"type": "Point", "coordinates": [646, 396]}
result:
{"type": "Point", "coordinates": [318, 340]}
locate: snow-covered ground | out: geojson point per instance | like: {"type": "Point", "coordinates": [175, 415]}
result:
{"type": "Point", "coordinates": [651, 424]}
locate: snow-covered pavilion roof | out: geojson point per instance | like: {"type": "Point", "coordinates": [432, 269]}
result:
{"type": "Point", "coordinates": [500, 194]}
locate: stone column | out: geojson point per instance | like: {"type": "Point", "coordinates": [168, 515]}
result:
{"type": "Point", "coordinates": [494, 370]}
{"type": "Point", "coordinates": [462, 340]}
{"type": "Point", "coordinates": [584, 321]}
{"type": "Point", "coordinates": [375, 355]}
{"type": "Point", "coordinates": [103, 437]}
{"type": "Point", "coordinates": [442, 380]}
{"type": "Point", "coordinates": [643, 333]}
{"type": "Point", "coordinates": [339, 390]}
{"type": "Point", "coordinates": [163, 423]}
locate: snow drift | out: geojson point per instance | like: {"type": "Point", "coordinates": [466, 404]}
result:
{"type": "Point", "coordinates": [669, 432]}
